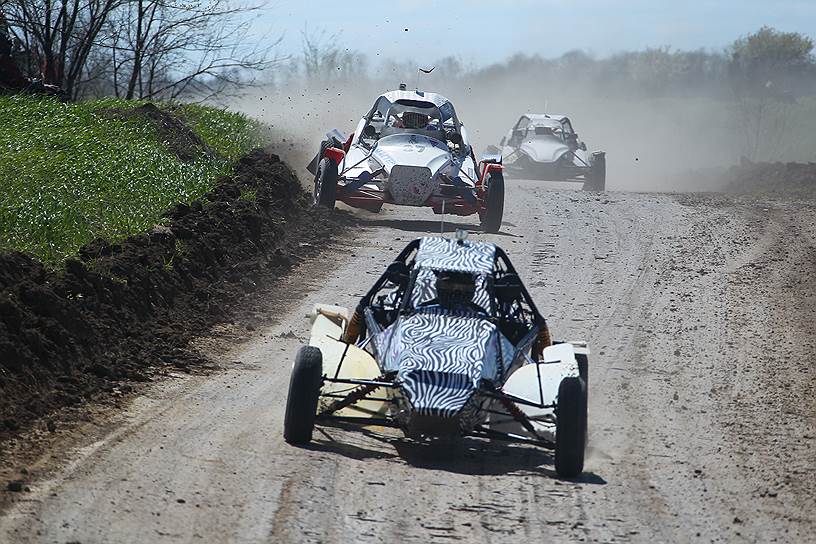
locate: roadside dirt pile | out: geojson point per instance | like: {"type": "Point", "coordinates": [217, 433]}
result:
{"type": "Point", "coordinates": [777, 177]}
{"type": "Point", "coordinates": [121, 308]}
{"type": "Point", "coordinates": [179, 137]}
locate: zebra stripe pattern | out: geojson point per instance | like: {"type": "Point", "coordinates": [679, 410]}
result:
{"type": "Point", "coordinates": [466, 256]}
{"type": "Point", "coordinates": [425, 289]}
{"type": "Point", "coordinates": [440, 357]}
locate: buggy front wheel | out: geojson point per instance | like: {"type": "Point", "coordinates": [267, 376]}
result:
{"type": "Point", "coordinates": [304, 391]}
{"type": "Point", "coordinates": [325, 185]}
{"type": "Point", "coordinates": [596, 176]}
{"type": "Point", "coordinates": [494, 203]}
{"type": "Point", "coordinates": [570, 427]}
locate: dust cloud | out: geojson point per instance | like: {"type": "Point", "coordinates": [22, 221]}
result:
{"type": "Point", "coordinates": [653, 143]}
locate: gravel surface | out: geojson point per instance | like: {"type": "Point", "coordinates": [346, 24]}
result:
{"type": "Point", "coordinates": [699, 310]}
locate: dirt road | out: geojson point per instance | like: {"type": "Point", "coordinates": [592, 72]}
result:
{"type": "Point", "coordinates": [699, 310]}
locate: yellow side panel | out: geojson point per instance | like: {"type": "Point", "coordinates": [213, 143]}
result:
{"type": "Point", "coordinates": [357, 363]}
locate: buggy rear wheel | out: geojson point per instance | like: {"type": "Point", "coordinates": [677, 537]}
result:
{"type": "Point", "coordinates": [596, 177]}
{"type": "Point", "coordinates": [304, 390]}
{"type": "Point", "coordinates": [325, 187]}
{"type": "Point", "coordinates": [570, 427]}
{"type": "Point", "coordinates": [494, 203]}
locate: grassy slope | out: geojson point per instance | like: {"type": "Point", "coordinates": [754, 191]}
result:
{"type": "Point", "coordinates": [69, 173]}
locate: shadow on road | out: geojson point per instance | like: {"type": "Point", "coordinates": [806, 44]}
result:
{"type": "Point", "coordinates": [426, 226]}
{"type": "Point", "coordinates": [419, 225]}
{"type": "Point", "coordinates": [466, 455]}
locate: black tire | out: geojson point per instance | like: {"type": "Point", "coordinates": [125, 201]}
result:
{"type": "Point", "coordinates": [304, 390]}
{"type": "Point", "coordinates": [494, 202]}
{"type": "Point", "coordinates": [596, 177]}
{"type": "Point", "coordinates": [325, 187]}
{"type": "Point", "coordinates": [570, 427]}
{"type": "Point", "coordinates": [583, 367]}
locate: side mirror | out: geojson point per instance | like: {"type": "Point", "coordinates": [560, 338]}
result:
{"type": "Point", "coordinates": [369, 131]}
{"type": "Point", "coordinates": [455, 137]}
{"type": "Point", "coordinates": [398, 273]}
{"type": "Point", "coordinates": [582, 146]}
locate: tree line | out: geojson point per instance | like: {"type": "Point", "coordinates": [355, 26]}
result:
{"type": "Point", "coordinates": [154, 49]}
{"type": "Point", "coordinates": [160, 49]}
{"type": "Point", "coordinates": [767, 62]}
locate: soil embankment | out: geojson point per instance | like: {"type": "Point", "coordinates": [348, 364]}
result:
{"type": "Point", "coordinates": [787, 178]}
{"type": "Point", "coordinates": [119, 309]}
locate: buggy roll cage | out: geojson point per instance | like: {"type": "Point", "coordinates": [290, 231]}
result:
{"type": "Point", "coordinates": [363, 388]}
{"type": "Point", "coordinates": [537, 320]}
{"type": "Point", "coordinates": [415, 105]}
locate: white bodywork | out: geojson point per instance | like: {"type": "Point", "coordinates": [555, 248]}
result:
{"type": "Point", "coordinates": [408, 164]}
{"type": "Point", "coordinates": [538, 383]}
{"type": "Point", "coordinates": [545, 146]}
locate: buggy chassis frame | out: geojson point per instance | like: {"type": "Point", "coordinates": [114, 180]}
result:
{"type": "Point", "coordinates": [366, 387]}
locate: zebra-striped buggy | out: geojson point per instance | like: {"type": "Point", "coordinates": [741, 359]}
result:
{"type": "Point", "coordinates": [485, 368]}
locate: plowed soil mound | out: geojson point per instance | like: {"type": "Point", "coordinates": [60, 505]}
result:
{"type": "Point", "coordinates": [777, 177]}
{"type": "Point", "coordinates": [179, 138]}
{"type": "Point", "coordinates": [121, 308]}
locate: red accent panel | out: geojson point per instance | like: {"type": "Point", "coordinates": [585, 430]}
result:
{"type": "Point", "coordinates": [490, 167]}
{"type": "Point", "coordinates": [347, 145]}
{"type": "Point", "coordinates": [336, 155]}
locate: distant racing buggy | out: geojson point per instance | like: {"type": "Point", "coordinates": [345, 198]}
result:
{"type": "Point", "coordinates": [446, 343]}
{"type": "Point", "coordinates": [545, 147]}
{"type": "Point", "coordinates": [410, 149]}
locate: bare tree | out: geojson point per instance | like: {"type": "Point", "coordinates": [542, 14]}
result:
{"type": "Point", "coordinates": [169, 48]}
{"type": "Point", "coordinates": [324, 60]}
{"type": "Point", "coordinates": [59, 36]}
{"type": "Point", "coordinates": [140, 48]}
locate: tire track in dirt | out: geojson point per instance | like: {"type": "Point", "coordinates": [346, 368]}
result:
{"type": "Point", "coordinates": [651, 280]}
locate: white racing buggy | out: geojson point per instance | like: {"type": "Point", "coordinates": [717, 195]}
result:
{"type": "Point", "coordinates": [446, 343]}
{"type": "Point", "coordinates": [545, 147]}
{"type": "Point", "coordinates": [410, 149]}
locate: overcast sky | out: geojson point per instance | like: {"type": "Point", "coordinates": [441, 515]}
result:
{"type": "Point", "coordinates": [481, 32]}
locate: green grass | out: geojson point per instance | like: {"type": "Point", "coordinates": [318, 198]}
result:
{"type": "Point", "coordinates": [231, 135]}
{"type": "Point", "coordinates": [70, 173]}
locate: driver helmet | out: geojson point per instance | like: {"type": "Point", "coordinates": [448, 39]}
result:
{"type": "Point", "coordinates": [414, 120]}
{"type": "Point", "coordinates": [454, 289]}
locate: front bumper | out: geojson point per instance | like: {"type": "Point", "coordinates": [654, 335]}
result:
{"type": "Point", "coordinates": [448, 198]}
